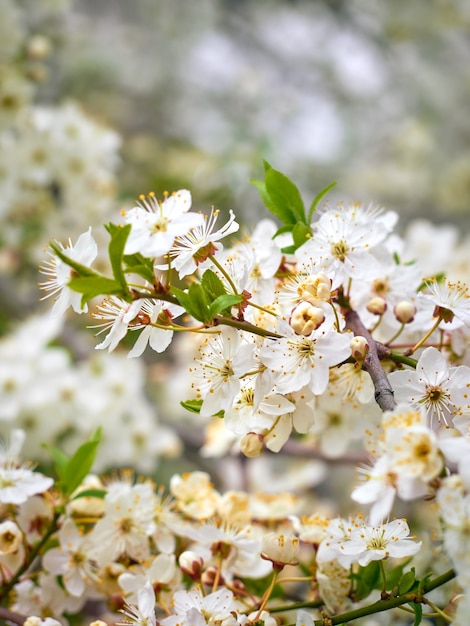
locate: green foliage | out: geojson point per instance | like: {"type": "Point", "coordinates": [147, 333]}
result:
{"type": "Point", "coordinates": [119, 235]}
{"type": "Point", "coordinates": [366, 579]}
{"type": "Point", "coordinates": [92, 286]}
{"type": "Point", "coordinates": [72, 470]}
{"type": "Point", "coordinates": [207, 299]}
{"type": "Point", "coordinates": [407, 581]}
{"type": "Point", "coordinates": [283, 199]}
{"type": "Point", "coordinates": [194, 406]}
{"type": "Point", "coordinates": [126, 263]}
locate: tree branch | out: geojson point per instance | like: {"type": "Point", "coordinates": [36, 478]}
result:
{"type": "Point", "coordinates": [383, 390]}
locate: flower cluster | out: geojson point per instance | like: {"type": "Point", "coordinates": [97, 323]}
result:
{"type": "Point", "coordinates": [322, 335]}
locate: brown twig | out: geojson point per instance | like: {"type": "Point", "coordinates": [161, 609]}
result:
{"type": "Point", "coordinates": [383, 390]}
{"type": "Point", "coordinates": [9, 616]}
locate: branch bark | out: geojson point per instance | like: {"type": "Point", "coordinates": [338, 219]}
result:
{"type": "Point", "coordinates": [372, 365]}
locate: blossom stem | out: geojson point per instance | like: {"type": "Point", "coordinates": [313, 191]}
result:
{"type": "Point", "coordinates": [391, 603]}
{"type": "Point", "coordinates": [396, 335]}
{"type": "Point", "coordinates": [261, 308]}
{"type": "Point", "coordinates": [426, 336]}
{"type": "Point", "coordinates": [437, 610]}
{"type": "Point", "coordinates": [224, 272]}
{"type": "Point", "coordinates": [266, 595]}
{"type": "Point", "coordinates": [34, 553]}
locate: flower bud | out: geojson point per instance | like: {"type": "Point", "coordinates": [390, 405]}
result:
{"type": "Point", "coordinates": [281, 549]}
{"type": "Point", "coordinates": [10, 537]}
{"type": "Point", "coordinates": [405, 312]}
{"type": "Point", "coordinates": [306, 318]}
{"type": "Point", "coordinates": [377, 305]}
{"type": "Point", "coordinates": [191, 564]}
{"type": "Point", "coordinates": [38, 47]}
{"type": "Point", "coordinates": [209, 576]}
{"type": "Point", "coordinates": [359, 347]}
{"type": "Point", "coordinates": [252, 445]}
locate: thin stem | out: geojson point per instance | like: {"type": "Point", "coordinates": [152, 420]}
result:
{"type": "Point", "coordinates": [396, 335]}
{"type": "Point", "coordinates": [242, 325]}
{"type": "Point", "coordinates": [391, 603]}
{"type": "Point", "coordinates": [9, 616]}
{"type": "Point", "coordinates": [437, 610]}
{"type": "Point", "coordinates": [266, 595]}
{"type": "Point", "coordinates": [34, 553]}
{"type": "Point", "coordinates": [426, 336]}
{"type": "Point", "coordinates": [225, 273]}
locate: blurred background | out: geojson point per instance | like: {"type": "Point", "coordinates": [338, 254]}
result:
{"type": "Point", "coordinates": [103, 101]}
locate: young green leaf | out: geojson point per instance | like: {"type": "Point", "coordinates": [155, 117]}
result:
{"type": "Point", "coordinates": [301, 233]}
{"type": "Point", "coordinates": [212, 285]}
{"type": "Point", "coordinates": [367, 578]}
{"type": "Point", "coordinates": [286, 197]}
{"type": "Point", "coordinates": [194, 301]}
{"type": "Point", "coordinates": [90, 493]}
{"type": "Point", "coordinates": [407, 581]}
{"type": "Point", "coordinates": [140, 265]}
{"type": "Point", "coordinates": [82, 270]}
{"type": "Point", "coordinates": [223, 303]}
{"type": "Point", "coordinates": [59, 460]}
{"type": "Point", "coordinates": [418, 610]}
{"type": "Point", "coordinates": [194, 406]}
{"type": "Point", "coordinates": [320, 195]}
{"type": "Point", "coordinates": [93, 286]}
{"type": "Point", "coordinates": [116, 253]}
{"type": "Point", "coordinates": [80, 463]}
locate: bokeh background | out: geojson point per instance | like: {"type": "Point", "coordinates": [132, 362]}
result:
{"type": "Point", "coordinates": [101, 101]}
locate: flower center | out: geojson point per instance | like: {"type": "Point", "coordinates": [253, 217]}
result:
{"type": "Point", "coordinates": [340, 250]}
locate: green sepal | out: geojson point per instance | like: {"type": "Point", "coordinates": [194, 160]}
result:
{"type": "Point", "coordinates": [320, 195]}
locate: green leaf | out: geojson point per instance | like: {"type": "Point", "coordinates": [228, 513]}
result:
{"type": "Point", "coordinates": [80, 463]}
{"type": "Point", "coordinates": [194, 406]}
{"type": "Point", "coordinates": [268, 203]}
{"type": "Point", "coordinates": [287, 228]}
{"type": "Point", "coordinates": [91, 493]}
{"type": "Point", "coordinates": [418, 610]}
{"type": "Point", "coordinates": [407, 581]}
{"type": "Point", "coordinates": [317, 199]}
{"type": "Point", "coordinates": [222, 303]}
{"type": "Point", "coordinates": [92, 286]}
{"type": "Point", "coordinates": [59, 459]}
{"type": "Point", "coordinates": [116, 252]}
{"type": "Point", "coordinates": [301, 233]}
{"type": "Point", "coordinates": [267, 166]}
{"type": "Point", "coordinates": [138, 264]}
{"type": "Point", "coordinates": [285, 196]}
{"type": "Point", "coordinates": [82, 270]}
{"type": "Point", "coordinates": [212, 284]}
{"type": "Point", "coordinates": [367, 578]}
{"type": "Point", "coordinates": [194, 301]}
